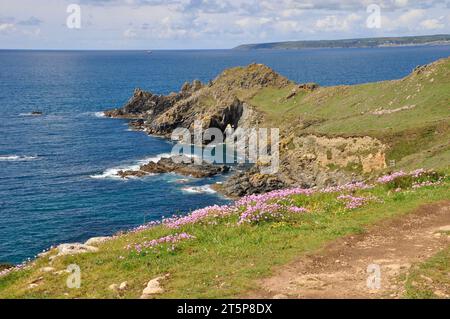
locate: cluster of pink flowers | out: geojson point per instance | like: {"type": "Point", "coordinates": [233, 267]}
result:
{"type": "Point", "coordinates": [418, 172]}
{"type": "Point", "coordinates": [390, 177]}
{"type": "Point", "coordinates": [426, 183]}
{"type": "Point", "coordinates": [199, 214]}
{"type": "Point", "coordinates": [170, 239]}
{"type": "Point", "coordinates": [146, 226]}
{"type": "Point", "coordinates": [295, 209]}
{"type": "Point", "coordinates": [352, 202]}
{"type": "Point", "coordinates": [277, 194]}
{"type": "Point", "coordinates": [259, 212]}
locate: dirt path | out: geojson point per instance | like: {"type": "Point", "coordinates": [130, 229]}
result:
{"type": "Point", "coordinates": [341, 269]}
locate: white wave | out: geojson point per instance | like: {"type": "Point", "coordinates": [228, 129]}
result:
{"type": "Point", "coordinates": [205, 189]}
{"type": "Point", "coordinates": [93, 114]}
{"type": "Point", "coordinates": [29, 114]}
{"type": "Point", "coordinates": [16, 158]}
{"type": "Point", "coordinates": [113, 173]}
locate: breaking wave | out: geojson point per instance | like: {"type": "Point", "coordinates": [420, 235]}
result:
{"type": "Point", "coordinates": [205, 189]}
{"type": "Point", "coordinates": [17, 158]}
{"type": "Point", "coordinates": [112, 173]}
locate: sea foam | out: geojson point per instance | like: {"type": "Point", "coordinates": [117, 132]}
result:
{"type": "Point", "coordinates": [17, 158]}
{"type": "Point", "coordinates": [205, 189]}
{"type": "Point", "coordinates": [112, 173]}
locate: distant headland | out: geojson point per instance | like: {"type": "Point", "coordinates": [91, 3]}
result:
{"type": "Point", "coordinates": [441, 39]}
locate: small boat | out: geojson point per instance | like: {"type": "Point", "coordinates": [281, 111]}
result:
{"type": "Point", "coordinates": [149, 52]}
{"type": "Point", "coordinates": [37, 113]}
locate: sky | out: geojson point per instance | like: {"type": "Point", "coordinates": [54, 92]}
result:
{"type": "Point", "coordinates": [209, 24]}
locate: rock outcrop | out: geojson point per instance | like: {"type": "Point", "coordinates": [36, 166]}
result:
{"type": "Point", "coordinates": [181, 165]}
{"type": "Point", "coordinates": [153, 287]}
{"type": "Point", "coordinates": [218, 104]}
{"type": "Point", "coordinates": [75, 248]}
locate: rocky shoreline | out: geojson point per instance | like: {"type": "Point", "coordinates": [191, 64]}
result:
{"type": "Point", "coordinates": [226, 102]}
{"type": "Point", "coordinates": [180, 164]}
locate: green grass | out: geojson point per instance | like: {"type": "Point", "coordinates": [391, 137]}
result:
{"type": "Point", "coordinates": [430, 279]}
{"type": "Point", "coordinates": [224, 260]}
{"type": "Point", "coordinates": [414, 135]}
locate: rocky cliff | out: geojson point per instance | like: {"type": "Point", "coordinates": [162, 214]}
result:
{"type": "Point", "coordinates": [329, 136]}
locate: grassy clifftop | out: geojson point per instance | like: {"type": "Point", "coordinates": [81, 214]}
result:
{"type": "Point", "coordinates": [411, 115]}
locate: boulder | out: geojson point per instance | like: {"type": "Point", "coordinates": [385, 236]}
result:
{"type": "Point", "coordinates": [153, 287]}
{"type": "Point", "coordinates": [96, 240]}
{"type": "Point", "coordinates": [47, 269]}
{"type": "Point", "coordinates": [75, 248]}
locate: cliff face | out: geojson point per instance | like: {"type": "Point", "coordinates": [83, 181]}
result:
{"type": "Point", "coordinates": [328, 136]}
{"type": "Point", "coordinates": [218, 104]}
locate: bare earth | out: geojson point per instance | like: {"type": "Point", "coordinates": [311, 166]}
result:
{"type": "Point", "coordinates": [340, 269]}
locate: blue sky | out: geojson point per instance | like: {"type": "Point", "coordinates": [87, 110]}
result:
{"type": "Point", "coordinates": [202, 24]}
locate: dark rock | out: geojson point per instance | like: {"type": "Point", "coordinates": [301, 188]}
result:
{"type": "Point", "coordinates": [180, 165]}
{"type": "Point", "coordinates": [137, 124]}
{"type": "Point", "coordinates": [251, 182]}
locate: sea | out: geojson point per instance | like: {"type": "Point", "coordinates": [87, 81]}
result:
{"type": "Point", "coordinates": [58, 179]}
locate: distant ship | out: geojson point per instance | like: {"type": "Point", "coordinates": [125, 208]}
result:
{"type": "Point", "coordinates": [149, 52]}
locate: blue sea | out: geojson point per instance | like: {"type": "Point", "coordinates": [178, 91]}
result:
{"type": "Point", "coordinates": [56, 171]}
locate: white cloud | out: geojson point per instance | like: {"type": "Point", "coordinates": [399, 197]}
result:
{"type": "Point", "coordinates": [432, 24]}
{"type": "Point", "coordinates": [401, 3]}
{"type": "Point", "coordinates": [6, 27]}
{"type": "Point", "coordinates": [337, 23]}
{"type": "Point", "coordinates": [129, 33]}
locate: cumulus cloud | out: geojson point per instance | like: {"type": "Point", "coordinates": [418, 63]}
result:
{"type": "Point", "coordinates": [432, 24]}
{"type": "Point", "coordinates": [337, 23]}
{"type": "Point", "coordinates": [6, 27]}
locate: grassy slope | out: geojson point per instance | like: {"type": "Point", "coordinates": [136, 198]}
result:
{"type": "Point", "coordinates": [224, 259]}
{"type": "Point", "coordinates": [430, 279]}
{"type": "Point", "coordinates": [417, 137]}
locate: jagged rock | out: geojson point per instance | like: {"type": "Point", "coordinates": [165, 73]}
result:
{"type": "Point", "coordinates": [180, 165]}
{"type": "Point", "coordinates": [96, 240]}
{"type": "Point", "coordinates": [308, 86]}
{"type": "Point", "coordinates": [251, 182]}
{"type": "Point", "coordinates": [153, 287]}
{"type": "Point", "coordinates": [145, 105]}
{"type": "Point", "coordinates": [75, 248]}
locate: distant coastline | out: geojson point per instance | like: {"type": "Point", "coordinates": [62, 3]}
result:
{"type": "Point", "coordinates": [427, 40]}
